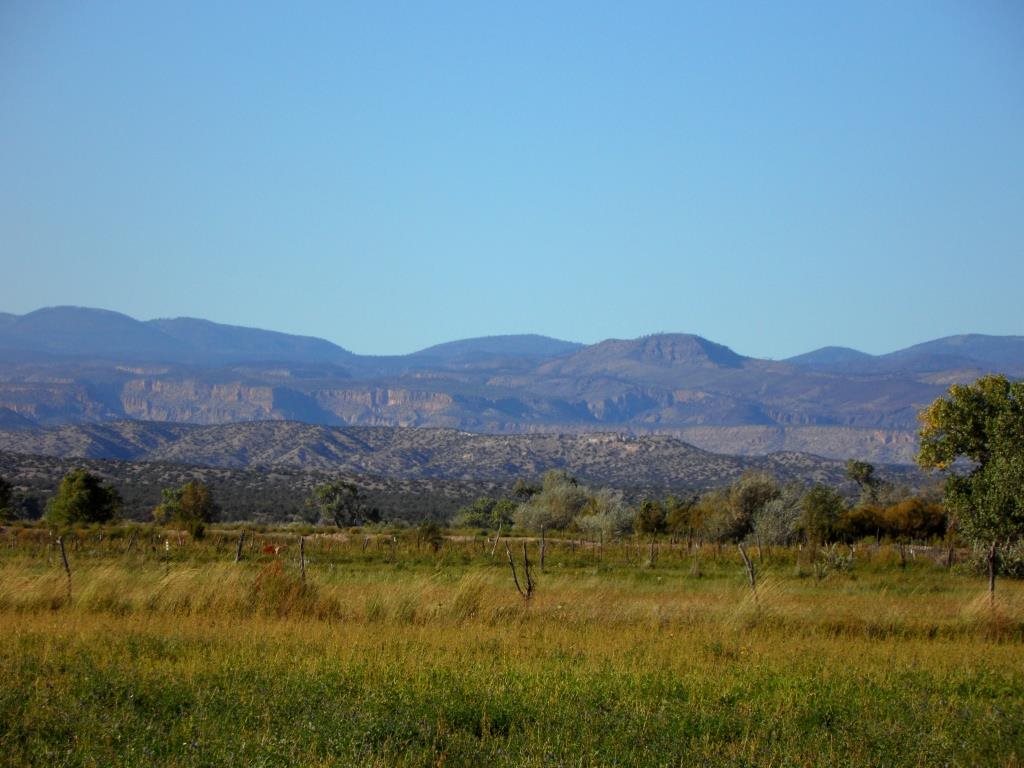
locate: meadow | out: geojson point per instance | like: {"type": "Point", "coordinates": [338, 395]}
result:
{"type": "Point", "coordinates": [164, 651]}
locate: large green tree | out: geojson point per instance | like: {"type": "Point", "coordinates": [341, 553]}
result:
{"type": "Point", "coordinates": [344, 503]}
{"type": "Point", "coordinates": [821, 508]}
{"type": "Point", "coordinates": [650, 517]}
{"type": "Point", "coordinates": [486, 512]}
{"type": "Point", "coordinates": [191, 507]}
{"type": "Point", "coordinates": [977, 432]}
{"type": "Point", "coordinates": [680, 519]}
{"type": "Point", "coordinates": [605, 513]}
{"type": "Point", "coordinates": [560, 500]}
{"type": "Point", "coordinates": [780, 520]}
{"type": "Point", "coordinates": [863, 474]}
{"type": "Point", "coordinates": [728, 514]}
{"type": "Point", "coordinates": [82, 497]}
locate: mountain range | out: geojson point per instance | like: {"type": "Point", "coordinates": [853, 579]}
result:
{"type": "Point", "coordinates": [73, 365]}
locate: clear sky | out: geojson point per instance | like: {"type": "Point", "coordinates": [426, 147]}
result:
{"type": "Point", "coordinates": [774, 176]}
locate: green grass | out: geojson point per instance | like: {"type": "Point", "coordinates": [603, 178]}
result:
{"type": "Point", "coordinates": [407, 657]}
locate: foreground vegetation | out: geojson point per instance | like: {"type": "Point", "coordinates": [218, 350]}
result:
{"type": "Point", "coordinates": [757, 624]}
{"type": "Point", "coordinates": [391, 653]}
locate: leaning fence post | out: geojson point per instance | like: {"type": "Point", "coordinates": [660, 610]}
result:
{"type": "Point", "coordinates": [67, 567]}
{"type": "Point", "coordinates": [512, 565]}
{"type": "Point", "coordinates": [238, 549]}
{"type": "Point", "coordinates": [496, 537]}
{"type": "Point", "coordinates": [751, 573]}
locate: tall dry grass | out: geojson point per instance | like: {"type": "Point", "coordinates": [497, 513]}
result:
{"type": "Point", "coordinates": [179, 656]}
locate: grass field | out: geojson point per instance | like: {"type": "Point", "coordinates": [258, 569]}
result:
{"type": "Point", "coordinates": [389, 654]}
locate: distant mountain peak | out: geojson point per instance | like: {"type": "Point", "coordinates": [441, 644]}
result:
{"type": "Point", "coordinates": [237, 343]}
{"type": "Point", "coordinates": [86, 332]}
{"type": "Point", "coordinates": [102, 334]}
{"type": "Point", "coordinates": [64, 313]}
{"type": "Point", "coordinates": [968, 351]}
{"type": "Point", "coordinates": [507, 345]}
{"type": "Point", "coordinates": [669, 349]}
{"type": "Point", "coordinates": [688, 347]}
{"type": "Point", "coordinates": [831, 357]}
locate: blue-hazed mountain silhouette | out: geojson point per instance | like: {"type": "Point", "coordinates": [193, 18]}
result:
{"type": "Point", "coordinates": [497, 347]}
{"type": "Point", "coordinates": [218, 344]}
{"type": "Point", "coordinates": [67, 365]}
{"type": "Point", "coordinates": [997, 353]}
{"type": "Point", "coordinates": [95, 333]}
{"type": "Point", "coordinates": [833, 359]}
{"type": "Point", "coordinates": [81, 333]}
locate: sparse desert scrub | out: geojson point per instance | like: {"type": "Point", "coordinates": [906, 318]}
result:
{"type": "Point", "coordinates": [181, 657]}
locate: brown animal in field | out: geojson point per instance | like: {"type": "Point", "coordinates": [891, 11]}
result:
{"type": "Point", "coordinates": [272, 549]}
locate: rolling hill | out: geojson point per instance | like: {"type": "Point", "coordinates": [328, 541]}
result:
{"type": "Point", "coordinates": [601, 459]}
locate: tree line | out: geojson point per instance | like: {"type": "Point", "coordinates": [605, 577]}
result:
{"type": "Point", "coordinates": [755, 507]}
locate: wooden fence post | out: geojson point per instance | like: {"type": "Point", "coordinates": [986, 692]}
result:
{"type": "Point", "coordinates": [67, 566]}
{"type": "Point", "coordinates": [751, 573]}
{"type": "Point", "coordinates": [512, 565]}
{"type": "Point", "coordinates": [496, 537]}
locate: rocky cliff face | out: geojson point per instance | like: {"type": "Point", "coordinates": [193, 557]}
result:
{"type": "Point", "coordinates": [195, 402]}
{"type": "Point", "coordinates": [57, 400]}
{"type": "Point", "coordinates": [714, 421]}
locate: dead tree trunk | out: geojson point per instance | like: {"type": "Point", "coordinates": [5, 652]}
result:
{"type": "Point", "coordinates": [526, 592]}
{"type": "Point", "coordinates": [526, 568]}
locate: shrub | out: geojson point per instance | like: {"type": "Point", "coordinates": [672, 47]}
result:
{"type": "Point", "coordinates": [276, 592]}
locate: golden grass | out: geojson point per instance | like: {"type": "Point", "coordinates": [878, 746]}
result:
{"type": "Point", "coordinates": [201, 661]}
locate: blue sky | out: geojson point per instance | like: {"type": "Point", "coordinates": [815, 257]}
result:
{"type": "Point", "coordinates": [774, 176]}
